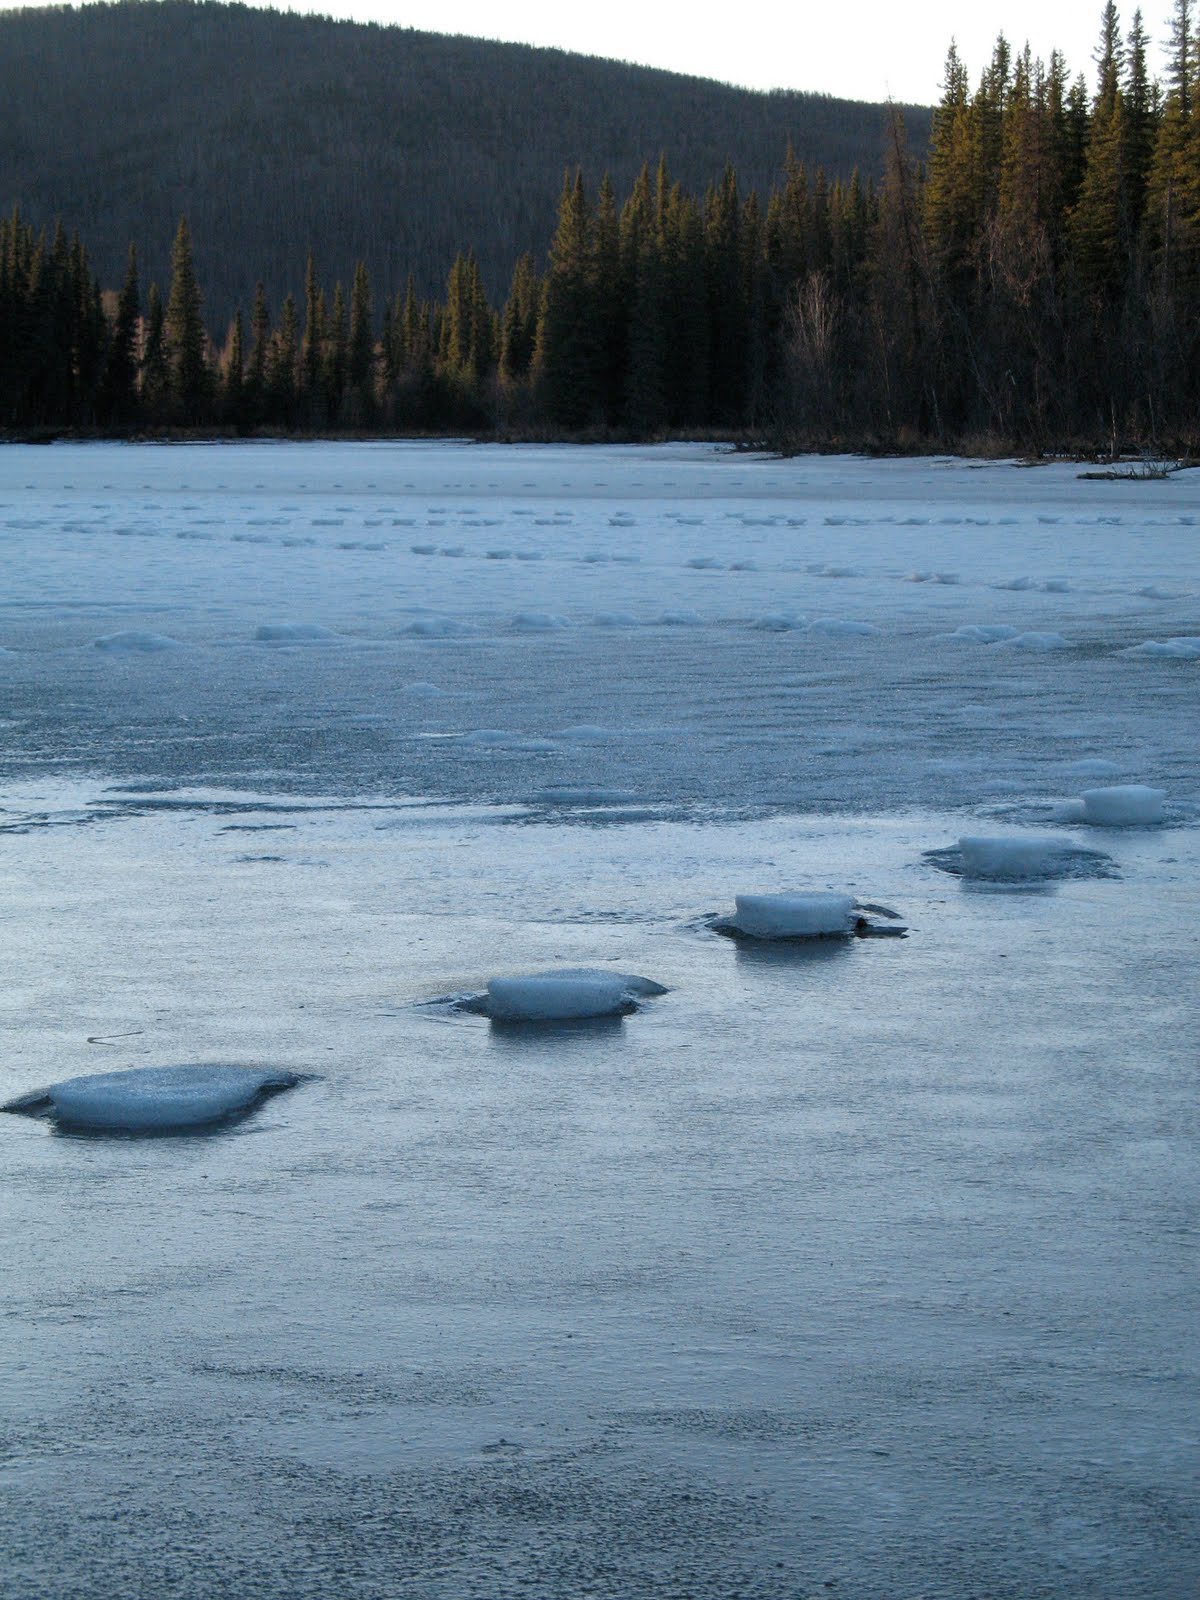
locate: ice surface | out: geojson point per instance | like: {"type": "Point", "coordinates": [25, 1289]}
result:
{"type": "Point", "coordinates": [567, 994]}
{"type": "Point", "coordinates": [1127, 805]}
{"type": "Point", "coordinates": [154, 1099]}
{"type": "Point", "coordinates": [580, 795]}
{"type": "Point", "coordinates": [1040, 642]}
{"type": "Point", "coordinates": [1094, 767]}
{"type": "Point", "coordinates": [793, 916]}
{"type": "Point", "coordinates": [807, 1146]}
{"type": "Point", "coordinates": [133, 642]}
{"type": "Point", "coordinates": [1013, 856]}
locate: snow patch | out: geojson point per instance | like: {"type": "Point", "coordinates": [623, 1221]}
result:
{"type": "Point", "coordinates": [983, 633]}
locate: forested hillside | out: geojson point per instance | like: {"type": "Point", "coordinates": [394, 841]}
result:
{"type": "Point", "coordinates": [277, 134]}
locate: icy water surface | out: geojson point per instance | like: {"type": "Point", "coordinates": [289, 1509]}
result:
{"type": "Point", "coordinates": [861, 1269]}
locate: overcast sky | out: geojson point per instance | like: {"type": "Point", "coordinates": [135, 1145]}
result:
{"type": "Point", "coordinates": [868, 49]}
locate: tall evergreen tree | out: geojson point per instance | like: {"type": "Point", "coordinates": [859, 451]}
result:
{"type": "Point", "coordinates": [186, 339]}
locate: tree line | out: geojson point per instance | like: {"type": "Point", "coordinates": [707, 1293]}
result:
{"type": "Point", "coordinates": [1035, 284]}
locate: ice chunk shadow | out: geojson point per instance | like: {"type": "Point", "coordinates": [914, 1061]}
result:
{"type": "Point", "coordinates": [155, 1102]}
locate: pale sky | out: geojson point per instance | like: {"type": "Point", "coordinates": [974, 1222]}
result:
{"type": "Point", "coordinates": [868, 50]}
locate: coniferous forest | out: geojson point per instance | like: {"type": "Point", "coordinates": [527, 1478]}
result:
{"type": "Point", "coordinates": [1033, 284]}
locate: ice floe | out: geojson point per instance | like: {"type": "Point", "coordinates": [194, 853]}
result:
{"type": "Point", "coordinates": [1184, 648]}
{"type": "Point", "coordinates": [794, 915]}
{"type": "Point", "coordinates": [154, 1099]}
{"type": "Point", "coordinates": [1124, 805]}
{"type": "Point", "coordinates": [566, 994]}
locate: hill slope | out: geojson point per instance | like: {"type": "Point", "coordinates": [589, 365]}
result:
{"type": "Point", "coordinates": [278, 132]}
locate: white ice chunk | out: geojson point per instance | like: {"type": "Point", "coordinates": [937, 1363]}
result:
{"type": "Point", "coordinates": [615, 619]}
{"type": "Point", "coordinates": [983, 633]}
{"type": "Point", "coordinates": [680, 619]}
{"type": "Point", "coordinates": [135, 643]}
{"type": "Point", "coordinates": [1013, 856]}
{"type": "Point", "coordinates": [155, 1099]}
{"type": "Point", "coordinates": [1125, 805]}
{"type": "Point", "coordinates": [793, 916]}
{"type": "Point", "coordinates": [568, 994]}
{"type": "Point", "coordinates": [1182, 649]}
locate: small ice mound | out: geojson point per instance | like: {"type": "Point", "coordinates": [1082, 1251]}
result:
{"type": "Point", "coordinates": [1056, 586]}
{"type": "Point", "coordinates": [839, 572]}
{"type": "Point", "coordinates": [777, 622]}
{"type": "Point", "coordinates": [1155, 591]}
{"type": "Point", "coordinates": [499, 555]}
{"type": "Point", "coordinates": [983, 633]}
{"type": "Point", "coordinates": [621, 520]}
{"type": "Point", "coordinates": [570, 994]}
{"type": "Point", "coordinates": [1181, 649]}
{"type": "Point", "coordinates": [295, 633]}
{"type": "Point", "coordinates": [426, 691]}
{"type": "Point", "coordinates": [1016, 585]}
{"type": "Point", "coordinates": [680, 619]}
{"type": "Point", "coordinates": [835, 628]}
{"type": "Point", "coordinates": [791, 916]}
{"type": "Point", "coordinates": [585, 733]}
{"type": "Point", "coordinates": [437, 628]}
{"type": "Point", "coordinates": [134, 642]}
{"type": "Point", "coordinates": [615, 619]}
{"type": "Point", "coordinates": [1124, 805]}
{"type": "Point", "coordinates": [1039, 642]}
{"type": "Point", "coordinates": [538, 622]}
{"type": "Point", "coordinates": [155, 1099]}
{"type": "Point", "coordinates": [705, 564]}
{"type": "Point", "coordinates": [577, 795]}
{"type": "Point", "coordinates": [421, 549]}
{"type": "Point", "coordinates": [747, 565]}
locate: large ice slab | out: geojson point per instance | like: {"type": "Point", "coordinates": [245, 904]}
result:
{"type": "Point", "coordinates": [566, 994]}
{"type": "Point", "coordinates": [1124, 805]}
{"type": "Point", "coordinates": [154, 1099]}
{"type": "Point", "coordinates": [793, 916]}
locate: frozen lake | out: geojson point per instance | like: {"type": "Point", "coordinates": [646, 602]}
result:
{"type": "Point", "coordinates": [862, 1269]}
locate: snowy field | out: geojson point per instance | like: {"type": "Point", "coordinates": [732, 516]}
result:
{"type": "Point", "coordinates": [861, 1268]}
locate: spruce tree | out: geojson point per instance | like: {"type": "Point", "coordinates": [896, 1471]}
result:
{"type": "Point", "coordinates": [185, 335]}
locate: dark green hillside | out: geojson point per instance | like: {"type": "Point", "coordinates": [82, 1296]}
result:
{"type": "Point", "coordinates": [275, 133]}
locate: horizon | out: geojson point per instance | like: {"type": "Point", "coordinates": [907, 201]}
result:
{"type": "Point", "coordinates": [887, 61]}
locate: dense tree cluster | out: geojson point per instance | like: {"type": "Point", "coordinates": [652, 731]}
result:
{"type": "Point", "coordinates": [1035, 284]}
{"type": "Point", "coordinates": [278, 133]}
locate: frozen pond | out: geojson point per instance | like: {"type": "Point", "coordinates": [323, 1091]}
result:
{"type": "Point", "coordinates": [860, 1268]}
